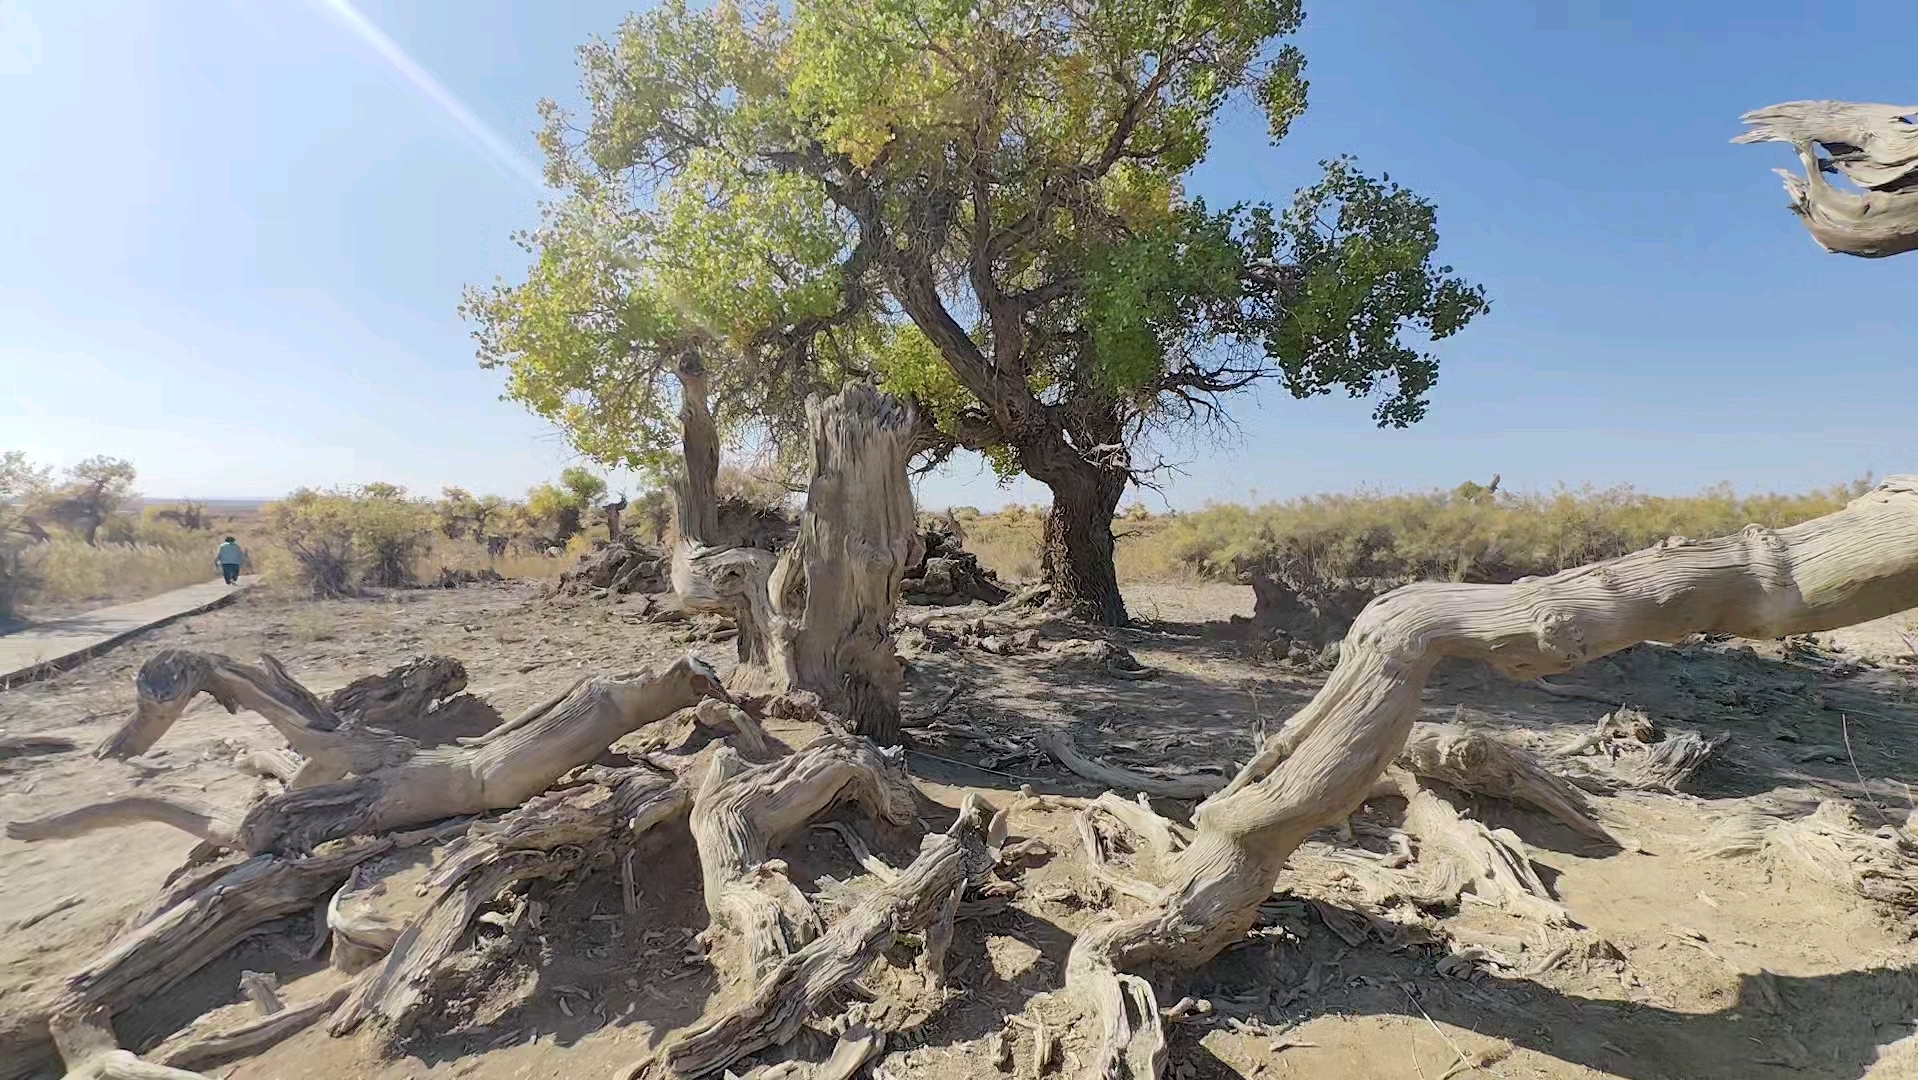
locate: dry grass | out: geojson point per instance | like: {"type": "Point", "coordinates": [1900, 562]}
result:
{"type": "Point", "coordinates": [1465, 534]}
{"type": "Point", "coordinates": [472, 555]}
{"type": "Point", "coordinates": [72, 573]}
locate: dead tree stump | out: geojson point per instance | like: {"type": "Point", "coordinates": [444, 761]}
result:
{"type": "Point", "coordinates": [820, 617]}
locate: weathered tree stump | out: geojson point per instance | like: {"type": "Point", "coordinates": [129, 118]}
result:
{"type": "Point", "coordinates": [820, 618]}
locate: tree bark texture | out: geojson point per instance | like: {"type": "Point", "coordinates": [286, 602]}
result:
{"type": "Point", "coordinates": [1873, 146]}
{"type": "Point", "coordinates": [1852, 566]}
{"type": "Point", "coordinates": [824, 609]}
{"type": "Point", "coordinates": [695, 490]}
{"type": "Point", "coordinates": [1077, 557]}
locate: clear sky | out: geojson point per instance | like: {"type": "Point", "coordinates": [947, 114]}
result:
{"type": "Point", "coordinates": [233, 234]}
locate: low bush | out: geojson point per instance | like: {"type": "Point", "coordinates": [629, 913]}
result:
{"type": "Point", "coordinates": [1470, 533]}
{"type": "Point", "coordinates": [339, 540]}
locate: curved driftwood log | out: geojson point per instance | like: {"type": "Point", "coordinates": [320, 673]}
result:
{"type": "Point", "coordinates": [395, 784]}
{"type": "Point", "coordinates": [1858, 564]}
{"type": "Point", "coordinates": [1873, 146]}
{"type": "Point", "coordinates": [825, 608]}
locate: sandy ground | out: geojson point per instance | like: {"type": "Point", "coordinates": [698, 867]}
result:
{"type": "Point", "coordinates": [1719, 968]}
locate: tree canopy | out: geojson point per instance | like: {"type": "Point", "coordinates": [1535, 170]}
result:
{"type": "Point", "coordinates": [980, 203]}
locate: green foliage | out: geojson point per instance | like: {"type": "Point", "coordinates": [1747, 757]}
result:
{"type": "Point", "coordinates": [342, 539]}
{"type": "Point", "coordinates": [20, 482]}
{"type": "Point", "coordinates": [977, 202]}
{"type": "Point", "coordinates": [92, 492]}
{"type": "Point", "coordinates": [582, 486]}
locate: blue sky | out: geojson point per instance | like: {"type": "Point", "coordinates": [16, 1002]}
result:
{"type": "Point", "coordinates": [233, 234]}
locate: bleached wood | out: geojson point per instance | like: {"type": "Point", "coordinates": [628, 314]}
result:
{"type": "Point", "coordinates": [404, 785]}
{"type": "Point", "coordinates": [1873, 146]}
{"type": "Point", "coordinates": [1852, 566]}
{"type": "Point", "coordinates": [740, 813]}
{"type": "Point", "coordinates": [824, 609]}
{"type": "Point", "coordinates": [803, 982]}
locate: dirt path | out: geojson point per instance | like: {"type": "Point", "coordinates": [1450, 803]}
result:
{"type": "Point", "coordinates": [28, 653]}
{"type": "Point", "coordinates": [1712, 969]}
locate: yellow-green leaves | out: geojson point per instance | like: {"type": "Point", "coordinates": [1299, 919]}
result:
{"type": "Point", "coordinates": [740, 253]}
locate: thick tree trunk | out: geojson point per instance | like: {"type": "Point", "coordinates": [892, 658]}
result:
{"type": "Point", "coordinates": [695, 498]}
{"type": "Point", "coordinates": [1077, 557]}
{"type": "Point", "coordinates": [1873, 146]}
{"type": "Point", "coordinates": [1858, 564]}
{"type": "Point", "coordinates": [824, 610]}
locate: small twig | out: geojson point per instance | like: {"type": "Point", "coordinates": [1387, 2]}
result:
{"type": "Point", "coordinates": [1844, 728]}
{"type": "Point", "coordinates": [1462, 1058]}
{"type": "Point", "coordinates": [628, 894]}
{"type": "Point", "coordinates": [980, 768]}
{"type": "Point", "coordinates": [940, 706]}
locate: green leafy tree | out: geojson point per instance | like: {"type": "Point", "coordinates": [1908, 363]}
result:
{"type": "Point", "coordinates": [585, 488]}
{"type": "Point", "coordinates": [21, 482]}
{"type": "Point", "coordinates": [981, 202]}
{"type": "Point", "coordinates": [93, 491]}
{"type": "Point", "coordinates": [455, 513]}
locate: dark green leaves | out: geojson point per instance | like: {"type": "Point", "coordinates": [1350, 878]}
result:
{"type": "Point", "coordinates": [1359, 253]}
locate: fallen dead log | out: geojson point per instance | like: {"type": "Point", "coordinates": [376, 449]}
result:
{"type": "Point", "coordinates": [1857, 564]}
{"type": "Point", "coordinates": [396, 784]}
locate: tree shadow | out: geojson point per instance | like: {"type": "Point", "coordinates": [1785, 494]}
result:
{"type": "Point", "coordinates": [588, 965]}
{"type": "Point", "coordinates": [1825, 1027]}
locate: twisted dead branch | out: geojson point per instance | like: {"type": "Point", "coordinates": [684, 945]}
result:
{"type": "Point", "coordinates": [1857, 564]}
{"type": "Point", "coordinates": [1873, 146]}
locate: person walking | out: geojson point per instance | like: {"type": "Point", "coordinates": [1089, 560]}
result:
{"type": "Point", "coordinates": [230, 557]}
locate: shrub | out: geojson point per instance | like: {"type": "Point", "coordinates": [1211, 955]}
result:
{"type": "Point", "coordinates": [340, 540]}
{"type": "Point", "coordinates": [1467, 534]}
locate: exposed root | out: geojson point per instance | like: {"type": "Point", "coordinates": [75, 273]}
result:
{"type": "Point", "coordinates": [162, 950]}
{"type": "Point", "coordinates": [1458, 857]}
{"type": "Point", "coordinates": [800, 984]}
{"type": "Point", "coordinates": [222, 1036]}
{"type": "Point", "coordinates": [1096, 862]}
{"type": "Point", "coordinates": [856, 1047]}
{"type": "Point", "coordinates": [1645, 757]}
{"type": "Point", "coordinates": [1829, 844]}
{"type": "Point", "coordinates": [1671, 763]}
{"type": "Point", "coordinates": [87, 1044]}
{"type": "Point", "coordinates": [1164, 836]}
{"type": "Point", "coordinates": [1476, 762]}
{"type": "Point", "coordinates": [741, 813]}
{"type": "Point", "coordinates": [1059, 745]}
{"type": "Point", "coordinates": [193, 819]}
